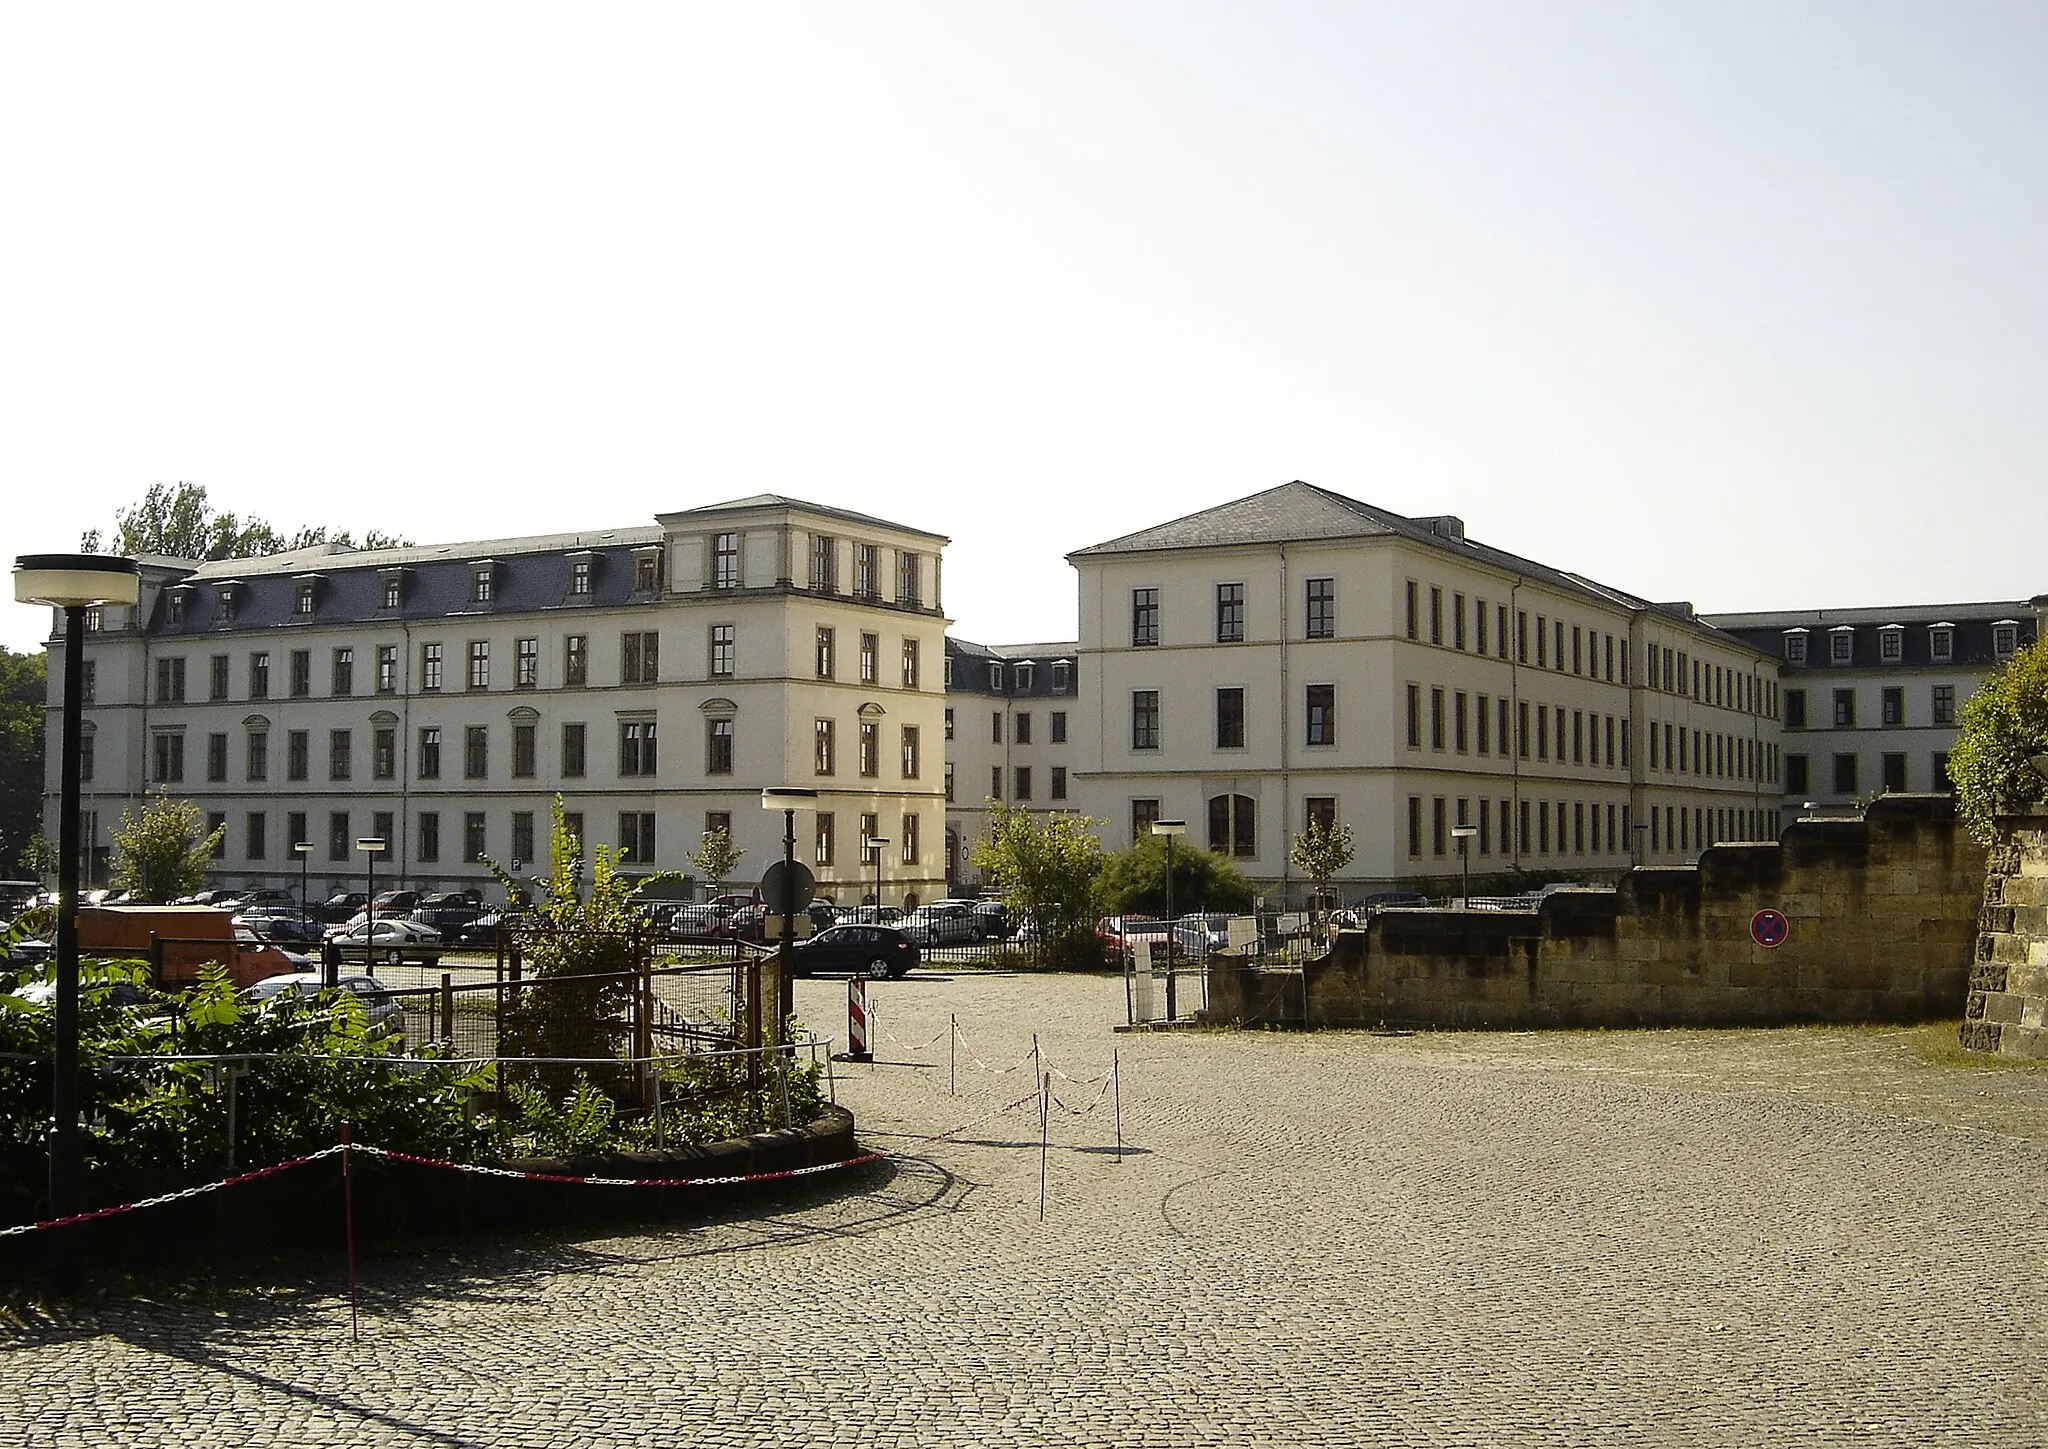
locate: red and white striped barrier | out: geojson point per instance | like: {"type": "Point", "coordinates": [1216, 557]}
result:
{"type": "Point", "coordinates": [857, 1021]}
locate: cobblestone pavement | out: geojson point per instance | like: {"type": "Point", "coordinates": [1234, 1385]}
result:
{"type": "Point", "coordinates": [1666, 1238]}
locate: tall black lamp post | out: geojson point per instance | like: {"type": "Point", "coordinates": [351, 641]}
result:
{"type": "Point", "coordinates": [877, 844]}
{"type": "Point", "coordinates": [789, 800]}
{"type": "Point", "coordinates": [73, 583]}
{"type": "Point", "coordinates": [304, 850]}
{"type": "Point", "coordinates": [1169, 829]}
{"type": "Point", "coordinates": [1463, 835]}
{"type": "Point", "coordinates": [371, 846]}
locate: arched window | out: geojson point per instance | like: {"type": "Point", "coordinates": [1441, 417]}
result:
{"type": "Point", "coordinates": [1233, 825]}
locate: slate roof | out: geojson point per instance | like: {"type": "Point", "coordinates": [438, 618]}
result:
{"type": "Point", "coordinates": [778, 500]}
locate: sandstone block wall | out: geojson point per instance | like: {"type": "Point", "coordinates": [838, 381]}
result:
{"type": "Point", "coordinates": [2007, 1007]}
{"type": "Point", "coordinates": [1883, 914]}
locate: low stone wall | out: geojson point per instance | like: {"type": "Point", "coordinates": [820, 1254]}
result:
{"type": "Point", "coordinates": [2007, 1008]}
{"type": "Point", "coordinates": [1882, 912]}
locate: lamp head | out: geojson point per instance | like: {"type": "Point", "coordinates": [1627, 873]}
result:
{"type": "Point", "coordinates": [1169, 828]}
{"type": "Point", "coordinates": [373, 844]}
{"type": "Point", "coordinates": [75, 580]}
{"type": "Point", "coordinates": [788, 797]}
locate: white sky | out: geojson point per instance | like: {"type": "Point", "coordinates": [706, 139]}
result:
{"type": "Point", "coordinates": [1742, 304]}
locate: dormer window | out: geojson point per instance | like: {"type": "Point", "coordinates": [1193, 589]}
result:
{"type": "Point", "coordinates": [647, 569]}
{"type": "Point", "coordinates": [305, 592]}
{"type": "Point", "coordinates": [94, 621]}
{"type": "Point", "coordinates": [1024, 672]}
{"type": "Point", "coordinates": [1891, 644]}
{"type": "Point", "coordinates": [1795, 646]}
{"type": "Point", "coordinates": [995, 677]}
{"type": "Point", "coordinates": [1060, 671]}
{"type": "Point", "coordinates": [579, 575]}
{"type": "Point", "coordinates": [392, 592]}
{"type": "Point", "coordinates": [482, 582]}
{"type": "Point", "coordinates": [1941, 643]}
{"type": "Point", "coordinates": [224, 601]}
{"type": "Point", "coordinates": [946, 672]}
{"type": "Point", "coordinates": [2005, 639]}
{"type": "Point", "coordinates": [176, 607]}
{"type": "Point", "coordinates": [1842, 645]}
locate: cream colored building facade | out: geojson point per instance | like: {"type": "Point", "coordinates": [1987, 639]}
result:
{"type": "Point", "coordinates": [438, 697]}
{"type": "Point", "coordinates": [1299, 655]}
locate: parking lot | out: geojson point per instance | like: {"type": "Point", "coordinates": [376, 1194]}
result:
{"type": "Point", "coordinates": [1655, 1238]}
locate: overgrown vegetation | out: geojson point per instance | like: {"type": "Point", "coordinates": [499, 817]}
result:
{"type": "Point", "coordinates": [2003, 725]}
{"type": "Point", "coordinates": [1046, 867]}
{"type": "Point", "coordinates": [163, 852]}
{"type": "Point", "coordinates": [1134, 881]}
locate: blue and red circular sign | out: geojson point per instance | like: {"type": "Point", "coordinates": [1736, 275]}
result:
{"type": "Point", "coordinates": [1769, 928]}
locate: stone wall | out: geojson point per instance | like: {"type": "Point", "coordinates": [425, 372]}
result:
{"type": "Point", "coordinates": [1882, 911]}
{"type": "Point", "coordinates": [2007, 1008]}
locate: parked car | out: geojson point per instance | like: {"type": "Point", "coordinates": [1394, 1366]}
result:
{"type": "Point", "coordinates": [390, 941]}
{"type": "Point", "coordinates": [207, 898]}
{"type": "Point", "coordinates": [263, 901]}
{"type": "Point", "coordinates": [447, 913]}
{"type": "Point", "coordinates": [481, 933]}
{"type": "Point", "coordinates": [1118, 934]}
{"type": "Point", "coordinates": [281, 928]}
{"type": "Point", "coordinates": [871, 915]}
{"type": "Point", "coordinates": [248, 943]}
{"type": "Point", "coordinates": [863, 950]}
{"type": "Point", "coordinates": [341, 905]}
{"type": "Point", "coordinates": [992, 920]}
{"type": "Point", "coordinates": [941, 923]}
{"type": "Point", "coordinates": [382, 1010]}
{"type": "Point", "coordinates": [1199, 934]}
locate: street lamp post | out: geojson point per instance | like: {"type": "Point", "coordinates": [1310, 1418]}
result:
{"type": "Point", "coordinates": [788, 800]}
{"type": "Point", "coordinates": [304, 850]}
{"type": "Point", "coordinates": [371, 846]}
{"type": "Point", "coordinates": [876, 844]}
{"type": "Point", "coordinates": [1463, 835]}
{"type": "Point", "coordinates": [73, 583]}
{"type": "Point", "coordinates": [1169, 829]}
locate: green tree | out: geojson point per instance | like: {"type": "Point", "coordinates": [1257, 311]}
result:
{"type": "Point", "coordinates": [21, 761]}
{"type": "Point", "coordinates": [164, 852]}
{"type": "Point", "coordinates": [179, 522]}
{"type": "Point", "coordinates": [1320, 851]}
{"type": "Point", "coordinates": [2003, 725]}
{"type": "Point", "coordinates": [1134, 881]}
{"type": "Point", "coordinates": [717, 857]}
{"type": "Point", "coordinates": [1046, 867]}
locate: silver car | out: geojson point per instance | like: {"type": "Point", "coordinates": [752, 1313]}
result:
{"type": "Point", "coordinates": [381, 1009]}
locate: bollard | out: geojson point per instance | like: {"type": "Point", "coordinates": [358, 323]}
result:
{"type": "Point", "coordinates": [857, 1021]}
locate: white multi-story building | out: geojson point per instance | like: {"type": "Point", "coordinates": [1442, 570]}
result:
{"type": "Point", "coordinates": [1013, 712]}
{"type": "Point", "coordinates": [1872, 695]}
{"type": "Point", "coordinates": [1298, 655]}
{"type": "Point", "coordinates": [438, 697]}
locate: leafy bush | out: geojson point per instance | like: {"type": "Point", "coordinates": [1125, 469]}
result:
{"type": "Point", "coordinates": [2003, 725]}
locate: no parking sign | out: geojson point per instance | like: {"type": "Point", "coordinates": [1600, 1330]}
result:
{"type": "Point", "coordinates": [1769, 928]}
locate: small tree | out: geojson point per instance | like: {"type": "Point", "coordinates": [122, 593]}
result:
{"type": "Point", "coordinates": [1135, 880]}
{"type": "Point", "coordinates": [1319, 852]}
{"type": "Point", "coordinates": [717, 857]}
{"type": "Point", "coordinates": [1046, 868]}
{"type": "Point", "coordinates": [162, 854]}
{"type": "Point", "coordinates": [2003, 725]}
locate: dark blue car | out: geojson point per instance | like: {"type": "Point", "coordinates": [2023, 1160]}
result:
{"type": "Point", "coordinates": [863, 950]}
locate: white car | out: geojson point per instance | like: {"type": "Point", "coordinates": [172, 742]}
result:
{"type": "Point", "coordinates": [380, 1007]}
{"type": "Point", "coordinates": [942, 923]}
{"type": "Point", "coordinates": [390, 941]}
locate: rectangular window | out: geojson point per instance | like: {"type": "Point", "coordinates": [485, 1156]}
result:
{"type": "Point", "coordinates": [1411, 611]}
{"type": "Point", "coordinates": [1439, 831]}
{"type": "Point", "coordinates": [579, 576]}
{"type": "Point", "coordinates": [949, 721]}
{"type": "Point", "coordinates": [995, 677]}
{"type": "Point", "coordinates": [910, 752]}
{"type": "Point", "coordinates": [949, 781]}
{"type": "Point", "coordinates": [576, 659]}
{"type": "Point", "coordinates": [387, 669]}
{"type": "Point", "coordinates": [1795, 709]}
{"type": "Point", "coordinates": [636, 747]}
{"type": "Point", "coordinates": [1542, 733]}
{"type": "Point", "coordinates": [1841, 645]}
{"type": "Point", "coordinates": [1577, 647]}
{"type": "Point", "coordinates": [1895, 772]}
{"type": "Point", "coordinates": [639, 657]}
{"type": "Point", "coordinates": [480, 585]}
{"type": "Point", "coordinates": [1059, 782]}
{"type": "Point", "coordinates": [1321, 620]}
{"type": "Point", "coordinates": [1542, 642]}
{"type": "Point", "coordinates": [1144, 616]}
{"type": "Point", "coordinates": [1436, 719]}
{"type": "Point", "coordinates": [823, 849]}
{"type": "Point", "coordinates": [910, 661]}
{"type": "Point", "coordinates": [1940, 771]}
{"type": "Point", "coordinates": [383, 753]}
{"type": "Point", "coordinates": [1845, 774]}
{"type": "Point", "coordinates": [217, 677]}
{"type": "Point", "coordinates": [1022, 732]}
{"type": "Point", "coordinates": [1414, 716]}
{"type": "Point", "coordinates": [1061, 676]}
{"type": "Point", "coordinates": [572, 751]}
{"type": "Point", "coordinates": [1059, 726]}
{"type": "Point", "coordinates": [340, 750]}
{"type": "Point", "coordinates": [295, 829]}
{"type": "Point", "coordinates": [1944, 704]}
{"type": "Point", "coordinates": [393, 590]}
{"type": "Point", "coordinates": [522, 836]}
{"type": "Point", "coordinates": [1230, 719]}
{"type": "Point", "coordinates": [297, 751]}
{"type": "Point", "coordinates": [526, 665]}
{"type": "Point", "coordinates": [1521, 636]}
{"type": "Point", "coordinates": [1023, 783]}
{"type": "Point", "coordinates": [824, 570]}
{"type": "Point", "coordinates": [1457, 621]}
{"type": "Point", "coordinates": [430, 666]}
{"type": "Point", "coordinates": [216, 757]}
{"type": "Point", "coordinates": [170, 681]}
{"type": "Point", "coordinates": [1941, 644]}
{"type": "Point", "coordinates": [337, 835]}
{"type": "Point", "coordinates": [1436, 615]}
{"type": "Point", "coordinates": [302, 673]}
{"type": "Point", "coordinates": [1482, 716]}
{"type": "Point", "coordinates": [869, 647]}
{"type": "Point", "coordinates": [525, 763]}
{"type": "Point", "coordinates": [1894, 706]}
{"type": "Point", "coordinates": [906, 577]}
{"type": "Point", "coordinates": [722, 651]}
{"type": "Point", "coordinates": [718, 737]}
{"type": "Point", "coordinates": [995, 782]}
{"type": "Point", "coordinates": [572, 826]}
{"type": "Point", "coordinates": [344, 671]}
{"type": "Point", "coordinates": [1144, 719]}
{"type": "Point", "coordinates": [910, 846]}
{"type": "Point", "coordinates": [1319, 717]}
{"type": "Point", "coordinates": [822, 747]}
{"type": "Point", "coordinates": [1845, 709]}
{"type": "Point", "coordinates": [1578, 738]}
{"type": "Point", "coordinates": [1229, 613]}
{"type": "Point", "coordinates": [870, 749]}
{"type": "Point", "coordinates": [867, 568]}
{"type": "Point", "coordinates": [476, 761]}
{"type": "Point", "coordinates": [479, 664]}
{"type": "Point", "coordinates": [1479, 610]}
{"type": "Point", "coordinates": [259, 754]}
{"type": "Point", "coordinates": [725, 563]}
{"type": "Point", "coordinates": [1415, 825]}
{"type": "Point", "coordinates": [646, 572]}
{"type": "Point", "coordinates": [822, 650]}
{"type": "Point", "coordinates": [474, 842]}
{"type": "Point", "coordinates": [253, 842]}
